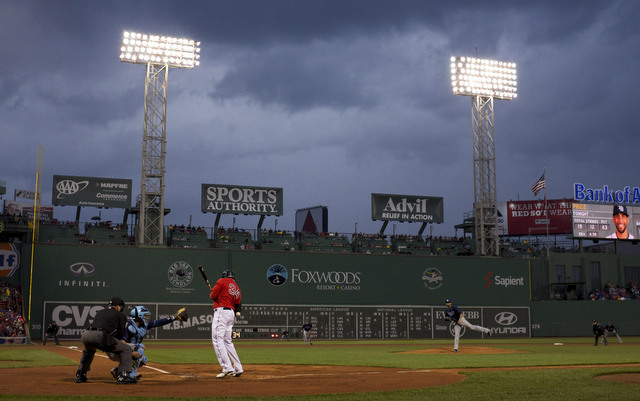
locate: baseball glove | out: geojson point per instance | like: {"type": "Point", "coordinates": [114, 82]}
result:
{"type": "Point", "coordinates": [181, 314]}
{"type": "Point", "coordinates": [447, 319]}
{"type": "Point", "coordinates": [136, 355]}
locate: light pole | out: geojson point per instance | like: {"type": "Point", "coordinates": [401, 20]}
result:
{"type": "Point", "coordinates": [483, 80]}
{"type": "Point", "coordinates": [158, 53]}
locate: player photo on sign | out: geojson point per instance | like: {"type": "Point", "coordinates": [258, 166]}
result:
{"type": "Point", "coordinates": [613, 222]}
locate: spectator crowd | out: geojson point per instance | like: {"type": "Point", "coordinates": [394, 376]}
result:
{"type": "Point", "coordinates": [11, 319]}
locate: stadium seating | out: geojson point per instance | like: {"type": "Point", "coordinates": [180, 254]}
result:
{"type": "Point", "coordinates": [325, 242]}
{"type": "Point", "coordinates": [371, 244]}
{"type": "Point", "coordinates": [105, 234]}
{"type": "Point", "coordinates": [233, 239]}
{"type": "Point", "coordinates": [277, 241]}
{"type": "Point", "coordinates": [410, 245]}
{"type": "Point", "coordinates": [63, 233]}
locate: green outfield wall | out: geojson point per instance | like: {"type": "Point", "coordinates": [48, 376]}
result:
{"type": "Point", "coordinates": [409, 289]}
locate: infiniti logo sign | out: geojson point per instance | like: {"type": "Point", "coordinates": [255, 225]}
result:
{"type": "Point", "coordinates": [82, 268]}
{"type": "Point", "coordinates": [506, 318]}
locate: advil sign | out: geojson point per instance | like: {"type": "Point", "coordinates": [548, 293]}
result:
{"type": "Point", "coordinates": [9, 259]}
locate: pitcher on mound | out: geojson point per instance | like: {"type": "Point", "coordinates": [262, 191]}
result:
{"type": "Point", "coordinates": [453, 313]}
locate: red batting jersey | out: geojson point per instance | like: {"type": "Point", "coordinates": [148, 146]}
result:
{"type": "Point", "coordinates": [225, 294]}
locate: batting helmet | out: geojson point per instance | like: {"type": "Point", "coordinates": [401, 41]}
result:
{"type": "Point", "coordinates": [228, 274]}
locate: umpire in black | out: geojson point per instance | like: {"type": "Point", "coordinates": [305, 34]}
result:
{"type": "Point", "coordinates": [104, 334]}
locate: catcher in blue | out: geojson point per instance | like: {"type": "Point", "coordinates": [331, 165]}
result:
{"type": "Point", "coordinates": [137, 326]}
{"type": "Point", "coordinates": [453, 313]}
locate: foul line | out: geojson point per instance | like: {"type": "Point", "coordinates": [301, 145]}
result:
{"type": "Point", "coordinates": [316, 375]}
{"type": "Point", "coordinates": [73, 348]}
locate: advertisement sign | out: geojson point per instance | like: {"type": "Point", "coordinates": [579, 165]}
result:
{"type": "Point", "coordinates": [593, 221]}
{"type": "Point", "coordinates": [508, 321]}
{"type": "Point", "coordinates": [312, 220]}
{"type": "Point", "coordinates": [606, 194]}
{"type": "Point", "coordinates": [425, 209]}
{"type": "Point", "coordinates": [237, 199]}
{"type": "Point", "coordinates": [531, 217]}
{"type": "Point", "coordinates": [74, 317]}
{"type": "Point", "coordinates": [24, 194]}
{"type": "Point", "coordinates": [9, 259]}
{"type": "Point", "coordinates": [91, 191]}
{"type": "Point", "coordinates": [25, 210]}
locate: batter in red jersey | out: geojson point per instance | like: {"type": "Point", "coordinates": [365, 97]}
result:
{"type": "Point", "coordinates": [226, 302]}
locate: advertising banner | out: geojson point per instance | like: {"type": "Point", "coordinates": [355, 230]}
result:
{"type": "Point", "coordinates": [593, 221]}
{"type": "Point", "coordinates": [237, 199]}
{"type": "Point", "coordinates": [9, 259]}
{"type": "Point", "coordinates": [25, 210]}
{"type": "Point", "coordinates": [329, 322]}
{"type": "Point", "coordinates": [531, 217]}
{"type": "Point", "coordinates": [74, 317]}
{"type": "Point", "coordinates": [24, 194]}
{"type": "Point", "coordinates": [91, 191]}
{"type": "Point", "coordinates": [425, 209]}
{"type": "Point", "coordinates": [312, 220]}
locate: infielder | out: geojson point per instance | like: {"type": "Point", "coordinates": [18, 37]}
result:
{"type": "Point", "coordinates": [453, 313]}
{"type": "Point", "coordinates": [306, 332]}
{"type": "Point", "coordinates": [610, 329]}
{"type": "Point", "coordinates": [598, 331]}
{"type": "Point", "coordinates": [136, 327]}
{"type": "Point", "coordinates": [226, 297]}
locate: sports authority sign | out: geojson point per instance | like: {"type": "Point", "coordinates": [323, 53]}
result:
{"type": "Point", "coordinates": [91, 191]}
{"type": "Point", "coordinates": [388, 207]}
{"type": "Point", "coordinates": [237, 199]}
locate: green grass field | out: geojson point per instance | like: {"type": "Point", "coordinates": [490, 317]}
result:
{"type": "Point", "coordinates": [563, 382]}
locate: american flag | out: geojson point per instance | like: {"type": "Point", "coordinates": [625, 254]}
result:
{"type": "Point", "coordinates": [539, 185]}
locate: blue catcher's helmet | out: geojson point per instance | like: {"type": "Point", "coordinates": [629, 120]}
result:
{"type": "Point", "coordinates": [141, 312]}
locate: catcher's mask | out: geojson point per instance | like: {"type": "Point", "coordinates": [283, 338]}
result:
{"type": "Point", "coordinates": [228, 274]}
{"type": "Point", "coordinates": [142, 313]}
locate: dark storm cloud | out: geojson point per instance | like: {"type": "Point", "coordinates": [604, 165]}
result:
{"type": "Point", "coordinates": [295, 79]}
{"type": "Point", "coordinates": [332, 100]}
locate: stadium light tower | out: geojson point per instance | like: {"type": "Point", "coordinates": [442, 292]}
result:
{"type": "Point", "coordinates": [158, 53]}
{"type": "Point", "coordinates": [483, 80]}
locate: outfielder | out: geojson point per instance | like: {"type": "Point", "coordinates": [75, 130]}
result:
{"type": "Point", "coordinates": [226, 297]}
{"type": "Point", "coordinates": [136, 327]}
{"type": "Point", "coordinates": [453, 313]}
{"type": "Point", "coordinates": [306, 332]}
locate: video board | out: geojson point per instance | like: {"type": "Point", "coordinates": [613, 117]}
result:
{"type": "Point", "coordinates": [598, 221]}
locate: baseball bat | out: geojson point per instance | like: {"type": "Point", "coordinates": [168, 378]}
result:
{"type": "Point", "coordinates": [204, 276]}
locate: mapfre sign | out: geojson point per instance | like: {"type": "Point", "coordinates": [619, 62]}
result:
{"type": "Point", "coordinates": [237, 199]}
